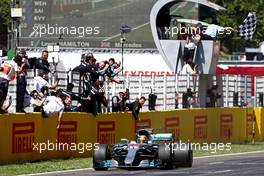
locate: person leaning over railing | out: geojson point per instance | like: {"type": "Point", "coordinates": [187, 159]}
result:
{"type": "Point", "coordinates": [56, 104]}
{"type": "Point", "coordinates": [69, 92]}
{"type": "Point", "coordinates": [37, 100]}
{"type": "Point", "coordinates": [135, 106]}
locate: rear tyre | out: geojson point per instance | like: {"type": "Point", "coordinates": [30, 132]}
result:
{"type": "Point", "coordinates": [100, 156]}
{"type": "Point", "coordinates": [165, 156]}
{"type": "Point", "coordinates": [189, 162]}
{"type": "Point", "coordinates": [183, 157]}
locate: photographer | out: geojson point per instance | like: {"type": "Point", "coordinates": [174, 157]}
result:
{"type": "Point", "coordinates": [215, 95]}
{"type": "Point", "coordinates": [212, 96]}
{"type": "Point", "coordinates": [189, 98]}
{"type": "Point", "coordinates": [88, 72]}
{"type": "Point", "coordinates": [22, 66]}
{"type": "Point", "coordinates": [118, 102]}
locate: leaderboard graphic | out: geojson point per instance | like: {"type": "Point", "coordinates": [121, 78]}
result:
{"type": "Point", "coordinates": [86, 23]}
{"type": "Point", "coordinates": [93, 23]}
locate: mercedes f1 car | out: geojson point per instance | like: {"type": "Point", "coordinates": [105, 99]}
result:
{"type": "Point", "coordinates": [148, 151]}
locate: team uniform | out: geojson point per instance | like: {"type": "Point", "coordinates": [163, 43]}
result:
{"type": "Point", "coordinates": [54, 105]}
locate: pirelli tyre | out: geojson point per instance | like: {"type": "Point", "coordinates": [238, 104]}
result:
{"type": "Point", "coordinates": [100, 156]}
{"type": "Point", "coordinates": [165, 156]}
{"type": "Point", "coordinates": [182, 155]}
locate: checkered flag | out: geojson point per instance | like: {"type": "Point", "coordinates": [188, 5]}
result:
{"type": "Point", "coordinates": [248, 28]}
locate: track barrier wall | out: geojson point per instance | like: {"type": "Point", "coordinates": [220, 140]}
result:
{"type": "Point", "coordinates": [22, 134]}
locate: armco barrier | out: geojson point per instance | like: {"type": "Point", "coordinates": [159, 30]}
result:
{"type": "Point", "coordinates": [22, 135]}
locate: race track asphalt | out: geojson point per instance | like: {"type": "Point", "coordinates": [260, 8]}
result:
{"type": "Point", "coordinates": [231, 165]}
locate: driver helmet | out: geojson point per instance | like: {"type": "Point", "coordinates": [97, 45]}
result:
{"type": "Point", "coordinates": [143, 139]}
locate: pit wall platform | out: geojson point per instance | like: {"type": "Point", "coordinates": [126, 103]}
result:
{"type": "Point", "coordinates": [23, 135]}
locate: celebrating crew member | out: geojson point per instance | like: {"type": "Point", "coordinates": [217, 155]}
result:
{"type": "Point", "coordinates": [22, 66]}
{"type": "Point", "coordinates": [135, 106]}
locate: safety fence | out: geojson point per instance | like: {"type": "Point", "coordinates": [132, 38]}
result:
{"type": "Point", "coordinates": [168, 88]}
{"type": "Point", "coordinates": [29, 137]}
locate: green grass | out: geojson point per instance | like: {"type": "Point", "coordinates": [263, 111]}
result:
{"type": "Point", "coordinates": [45, 166]}
{"type": "Point", "coordinates": [78, 163]}
{"type": "Point", "coordinates": [235, 148]}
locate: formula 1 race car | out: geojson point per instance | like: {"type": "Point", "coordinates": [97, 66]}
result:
{"type": "Point", "coordinates": [148, 151]}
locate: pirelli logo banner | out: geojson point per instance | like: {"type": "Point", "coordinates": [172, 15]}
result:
{"type": "Point", "coordinates": [19, 132]}
{"type": "Point", "coordinates": [67, 133]}
{"type": "Point", "coordinates": [23, 137]}
{"type": "Point", "coordinates": [145, 123]}
{"type": "Point", "coordinates": [106, 133]}
{"type": "Point", "coordinates": [226, 128]}
{"type": "Point", "coordinates": [250, 124]}
{"type": "Point", "coordinates": [172, 125]}
{"type": "Point", "coordinates": [200, 127]}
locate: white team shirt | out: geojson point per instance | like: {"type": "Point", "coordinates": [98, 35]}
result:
{"type": "Point", "coordinates": [187, 69]}
{"type": "Point", "coordinates": [54, 105]}
{"type": "Point", "coordinates": [39, 82]}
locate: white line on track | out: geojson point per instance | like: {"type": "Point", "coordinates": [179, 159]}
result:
{"type": "Point", "coordinates": [222, 171]}
{"type": "Point", "coordinates": [247, 163]}
{"type": "Point", "coordinates": [214, 163]}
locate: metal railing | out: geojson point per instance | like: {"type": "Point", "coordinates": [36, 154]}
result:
{"type": "Point", "coordinates": [168, 88]}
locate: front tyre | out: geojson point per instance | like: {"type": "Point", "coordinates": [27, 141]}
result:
{"type": "Point", "coordinates": [100, 156]}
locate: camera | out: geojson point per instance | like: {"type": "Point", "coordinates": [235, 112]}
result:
{"type": "Point", "coordinates": [18, 59]}
{"type": "Point", "coordinates": [23, 59]}
{"type": "Point", "coordinates": [125, 29]}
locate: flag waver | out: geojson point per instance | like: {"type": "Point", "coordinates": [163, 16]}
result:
{"type": "Point", "coordinates": [248, 28]}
